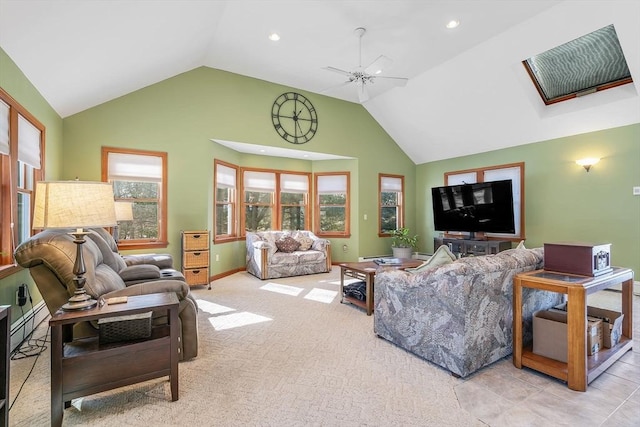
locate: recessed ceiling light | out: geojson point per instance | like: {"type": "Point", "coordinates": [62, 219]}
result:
{"type": "Point", "coordinates": [452, 24]}
{"type": "Point", "coordinates": [274, 37]}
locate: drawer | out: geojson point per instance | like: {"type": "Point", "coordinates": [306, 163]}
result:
{"type": "Point", "coordinates": [195, 241]}
{"type": "Point", "coordinates": [198, 276]}
{"type": "Point", "coordinates": [195, 259]}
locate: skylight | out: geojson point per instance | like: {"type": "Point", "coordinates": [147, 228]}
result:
{"type": "Point", "coordinates": [582, 66]}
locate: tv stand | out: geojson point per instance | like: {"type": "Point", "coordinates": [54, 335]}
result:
{"type": "Point", "coordinates": [472, 247]}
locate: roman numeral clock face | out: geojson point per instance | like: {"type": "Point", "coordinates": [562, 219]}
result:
{"type": "Point", "coordinates": [294, 118]}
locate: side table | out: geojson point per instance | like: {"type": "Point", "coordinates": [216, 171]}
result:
{"type": "Point", "coordinates": [580, 369]}
{"type": "Point", "coordinates": [366, 271]}
{"type": "Point", "coordinates": [82, 367]}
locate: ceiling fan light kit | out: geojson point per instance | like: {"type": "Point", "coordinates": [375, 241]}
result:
{"type": "Point", "coordinates": [366, 76]}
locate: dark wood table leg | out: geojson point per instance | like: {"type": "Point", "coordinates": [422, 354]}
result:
{"type": "Point", "coordinates": [175, 333]}
{"type": "Point", "coordinates": [56, 376]}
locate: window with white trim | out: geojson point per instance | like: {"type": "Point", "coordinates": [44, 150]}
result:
{"type": "Point", "coordinates": [139, 177]}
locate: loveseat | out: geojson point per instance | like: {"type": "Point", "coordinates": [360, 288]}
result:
{"type": "Point", "coordinates": [50, 256]}
{"type": "Point", "coordinates": [458, 315]}
{"type": "Point", "coordinates": [274, 254]}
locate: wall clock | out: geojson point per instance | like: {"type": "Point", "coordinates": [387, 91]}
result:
{"type": "Point", "coordinates": [294, 118]}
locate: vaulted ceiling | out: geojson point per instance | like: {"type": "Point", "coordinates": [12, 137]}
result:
{"type": "Point", "coordinates": [467, 90]}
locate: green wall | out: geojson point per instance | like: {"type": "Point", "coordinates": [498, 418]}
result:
{"type": "Point", "coordinates": [563, 202]}
{"type": "Point", "coordinates": [14, 82]}
{"type": "Point", "coordinates": [182, 114]}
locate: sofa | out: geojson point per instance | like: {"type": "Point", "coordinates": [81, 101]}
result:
{"type": "Point", "coordinates": [275, 254]}
{"type": "Point", "coordinates": [458, 315]}
{"type": "Point", "coordinates": [50, 256]}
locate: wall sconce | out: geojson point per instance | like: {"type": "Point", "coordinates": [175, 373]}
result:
{"type": "Point", "coordinates": [587, 163]}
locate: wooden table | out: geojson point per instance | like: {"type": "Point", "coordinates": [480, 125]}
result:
{"type": "Point", "coordinates": [82, 367]}
{"type": "Point", "coordinates": [580, 368]}
{"type": "Point", "coordinates": [366, 271]}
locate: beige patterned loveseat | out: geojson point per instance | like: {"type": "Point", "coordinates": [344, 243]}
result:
{"type": "Point", "coordinates": [274, 254]}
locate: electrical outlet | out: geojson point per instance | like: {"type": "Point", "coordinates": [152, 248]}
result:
{"type": "Point", "coordinates": [636, 191]}
{"type": "Point", "coordinates": [217, 257]}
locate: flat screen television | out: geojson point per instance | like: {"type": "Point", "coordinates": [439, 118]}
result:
{"type": "Point", "coordinates": [482, 207]}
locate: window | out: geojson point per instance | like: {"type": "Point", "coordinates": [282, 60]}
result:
{"type": "Point", "coordinates": [274, 200]}
{"type": "Point", "coordinates": [390, 201]}
{"type": "Point", "coordinates": [332, 204]}
{"type": "Point", "coordinates": [139, 177]}
{"type": "Point", "coordinates": [514, 172]}
{"type": "Point", "coordinates": [226, 177]}
{"type": "Point", "coordinates": [579, 67]}
{"type": "Point", "coordinates": [259, 191]}
{"type": "Point", "coordinates": [21, 165]}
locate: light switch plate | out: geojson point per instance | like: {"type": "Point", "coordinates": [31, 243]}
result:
{"type": "Point", "coordinates": [636, 191]}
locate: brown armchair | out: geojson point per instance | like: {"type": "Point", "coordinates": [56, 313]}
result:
{"type": "Point", "coordinates": [50, 256]}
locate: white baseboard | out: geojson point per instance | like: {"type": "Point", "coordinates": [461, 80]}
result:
{"type": "Point", "coordinates": [22, 327]}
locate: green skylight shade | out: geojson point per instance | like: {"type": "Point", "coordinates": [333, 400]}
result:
{"type": "Point", "coordinates": [585, 65]}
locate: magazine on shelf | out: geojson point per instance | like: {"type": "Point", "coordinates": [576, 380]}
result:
{"type": "Point", "coordinates": [388, 261]}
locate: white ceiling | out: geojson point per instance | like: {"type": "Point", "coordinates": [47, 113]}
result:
{"type": "Point", "coordinates": [467, 90]}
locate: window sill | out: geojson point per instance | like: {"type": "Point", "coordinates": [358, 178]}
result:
{"type": "Point", "coordinates": [141, 245]}
{"type": "Point", "coordinates": [8, 270]}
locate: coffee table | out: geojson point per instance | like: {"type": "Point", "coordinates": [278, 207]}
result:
{"type": "Point", "coordinates": [366, 271]}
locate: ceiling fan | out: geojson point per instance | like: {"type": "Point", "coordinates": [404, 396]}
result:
{"type": "Point", "coordinates": [366, 76]}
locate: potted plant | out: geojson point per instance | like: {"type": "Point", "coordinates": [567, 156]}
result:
{"type": "Point", "coordinates": [402, 243]}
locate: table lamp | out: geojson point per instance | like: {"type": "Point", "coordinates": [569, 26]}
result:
{"type": "Point", "coordinates": [79, 205]}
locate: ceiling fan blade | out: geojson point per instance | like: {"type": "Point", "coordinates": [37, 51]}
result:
{"type": "Point", "coordinates": [330, 88]}
{"type": "Point", "coordinates": [378, 66]}
{"type": "Point", "coordinates": [337, 70]}
{"type": "Point", "coordinates": [363, 94]}
{"type": "Point", "coordinates": [397, 81]}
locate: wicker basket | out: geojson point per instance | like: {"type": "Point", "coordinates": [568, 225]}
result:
{"type": "Point", "coordinates": [196, 259]}
{"type": "Point", "coordinates": [124, 328]}
{"type": "Point", "coordinates": [195, 241]}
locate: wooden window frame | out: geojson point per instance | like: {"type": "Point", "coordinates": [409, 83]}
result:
{"type": "Point", "coordinates": [347, 225]}
{"type": "Point", "coordinates": [276, 205]}
{"type": "Point", "coordinates": [162, 240]}
{"type": "Point", "coordinates": [480, 178]}
{"type": "Point", "coordinates": [233, 203]}
{"type": "Point", "coordinates": [9, 183]}
{"type": "Point", "coordinates": [399, 206]}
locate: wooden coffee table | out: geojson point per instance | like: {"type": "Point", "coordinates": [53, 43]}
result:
{"type": "Point", "coordinates": [366, 271]}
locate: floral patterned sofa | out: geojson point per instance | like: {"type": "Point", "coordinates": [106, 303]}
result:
{"type": "Point", "coordinates": [458, 315]}
{"type": "Point", "coordinates": [274, 254]}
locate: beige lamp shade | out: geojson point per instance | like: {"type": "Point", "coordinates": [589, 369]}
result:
{"type": "Point", "coordinates": [124, 211]}
{"type": "Point", "coordinates": [73, 204]}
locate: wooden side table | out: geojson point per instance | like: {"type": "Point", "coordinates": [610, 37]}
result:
{"type": "Point", "coordinates": [580, 369]}
{"type": "Point", "coordinates": [82, 367]}
{"type": "Point", "coordinates": [366, 271]}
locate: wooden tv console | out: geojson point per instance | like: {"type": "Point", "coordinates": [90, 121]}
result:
{"type": "Point", "coordinates": [472, 247]}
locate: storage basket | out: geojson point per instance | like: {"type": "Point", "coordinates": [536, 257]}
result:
{"type": "Point", "coordinates": [124, 328]}
{"type": "Point", "coordinates": [196, 259]}
{"type": "Point", "coordinates": [198, 276]}
{"type": "Point", "coordinates": [195, 241]}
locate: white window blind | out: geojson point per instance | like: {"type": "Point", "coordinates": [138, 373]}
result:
{"type": "Point", "coordinates": [134, 167]}
{"type": "Point", "coordinates": [294, 183]}
{"type": "Point", "coordinates": [462, 178]}
{"type": "Point", "coordinates": [4, 128]}
{"type": "Point", "coordinates": [28, 143]}
{"type": "Point", "coordinates": [259, 181]}
{"type": "Point", "coordinates": [391, 184]}
{"type": "Point", "coordinates": [225, 176]}
{"type": "Point", "coordinates": [331, 184]}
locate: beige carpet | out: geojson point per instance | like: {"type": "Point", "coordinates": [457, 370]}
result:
{"type": "Point", "coordinates": [307, 360]}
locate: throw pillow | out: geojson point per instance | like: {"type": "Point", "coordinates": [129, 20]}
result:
{"type": "Point", "coordinates": [521, 245]}
{"type": "Point", "coordinates": [287, 244]}
{"type": "Point", "coordinates": [305, 243]}
{"type": "Point", "coordinates": [440, 257]}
